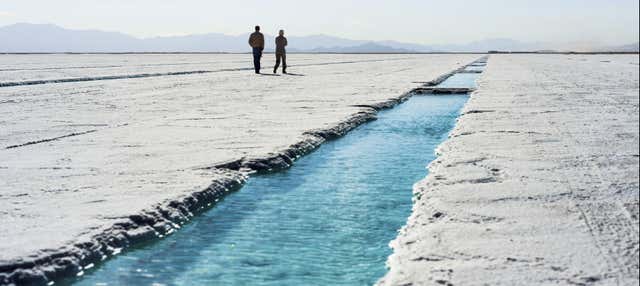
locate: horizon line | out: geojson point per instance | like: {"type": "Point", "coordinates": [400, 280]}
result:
{"type": "Point", "coordinates": [307, 35]}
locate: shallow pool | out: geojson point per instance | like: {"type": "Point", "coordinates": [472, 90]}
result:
{"type": "Point", "coordinates": [325, 221]}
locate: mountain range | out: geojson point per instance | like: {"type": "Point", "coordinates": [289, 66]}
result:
{"type": "Point", "coordinates": [47, 38]}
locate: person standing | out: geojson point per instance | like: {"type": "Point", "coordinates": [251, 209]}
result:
{"type": "Point", "coordinates": [281, 53]}
{"type": "Point", "coordinates": [256, 41]}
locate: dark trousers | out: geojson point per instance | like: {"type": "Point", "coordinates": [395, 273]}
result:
{"type": "Point", "coordinates": [257, 54]}
{"type": "Point", "coordinates": [284, 62]}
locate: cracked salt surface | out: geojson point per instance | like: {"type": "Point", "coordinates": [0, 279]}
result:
{"type": "Point", "coordinates": [538, 183]}
{"type": "Point", "coordinates": [63, 200]}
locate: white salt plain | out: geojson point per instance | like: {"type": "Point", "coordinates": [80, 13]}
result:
{"type": "Point", "coordinates": [537, 185]}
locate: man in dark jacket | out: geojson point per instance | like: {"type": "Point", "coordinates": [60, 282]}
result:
{"type": "Point", "coordinates": [256, 41]}
{"type": "Point", "coordinates": [281, 53]}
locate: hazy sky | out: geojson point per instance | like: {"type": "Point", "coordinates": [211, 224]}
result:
{"type": "Point", "coordinates": [419, 21]}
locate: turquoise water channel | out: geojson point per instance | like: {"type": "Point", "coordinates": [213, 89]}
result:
{"type": "Point", "coordinates": [325, 221]}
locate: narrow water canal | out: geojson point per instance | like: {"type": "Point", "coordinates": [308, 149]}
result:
{"type": "Point", "coordinates": [325, 221]}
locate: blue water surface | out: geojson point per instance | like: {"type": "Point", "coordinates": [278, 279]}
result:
{"type": "Point", "coordinates": [460, 80]}
{"type": "Point", "coordinates": [325, 221]}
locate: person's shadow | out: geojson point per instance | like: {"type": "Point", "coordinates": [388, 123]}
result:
{"type": "Point", "coordinates": [294, 74]}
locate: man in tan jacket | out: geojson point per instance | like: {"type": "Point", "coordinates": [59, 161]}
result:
{"type": "Point", "coordinates": [256, 41]}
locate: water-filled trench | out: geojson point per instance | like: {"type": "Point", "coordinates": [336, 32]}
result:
{"type": "Point", "coordinates": [325, 221]}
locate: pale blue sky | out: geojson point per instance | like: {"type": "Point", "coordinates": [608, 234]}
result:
{"type": "Point", "coordinates": [419, 21]}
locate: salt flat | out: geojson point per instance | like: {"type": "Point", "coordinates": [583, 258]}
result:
{"type": "Point", "coordinates": [537, 184]}
{"type": "Point", "coordinates": [79, 159]}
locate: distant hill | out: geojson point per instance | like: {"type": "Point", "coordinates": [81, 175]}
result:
{"type": "Point", "coordinates": [369, 47]}
{"type": "Point", "coordinates": [635, 47]}
{"type": "Point", "coordinates": [492, 44]}
{"type": "Point", "coordinates": [49, 38]}
{"type": "Point", "coordinates": [43, 38]}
